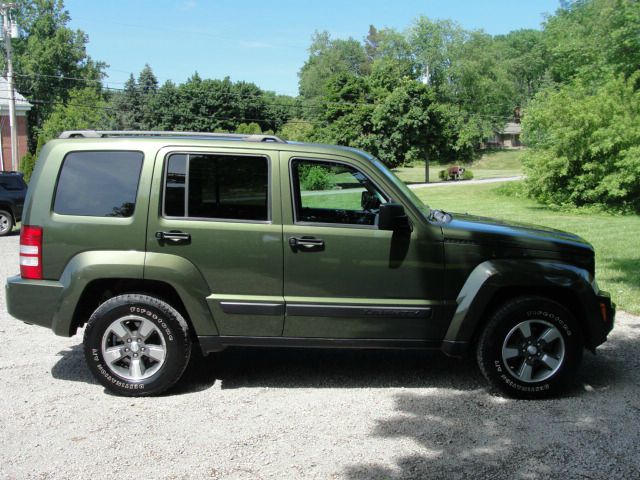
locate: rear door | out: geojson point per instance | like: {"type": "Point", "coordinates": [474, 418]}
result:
{"type": "Point", "coordinates": [220, 209]}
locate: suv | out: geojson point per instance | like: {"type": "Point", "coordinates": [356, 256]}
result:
{"type": "Point", "coordinates": [164, 242]}
{"type": "Point", "coordinates": [13, 191]}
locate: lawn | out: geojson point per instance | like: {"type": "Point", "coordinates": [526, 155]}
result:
{"type": "Point", "coordinates": [616, 239]}
{"type": "Point", "coordinates": [501, 163]}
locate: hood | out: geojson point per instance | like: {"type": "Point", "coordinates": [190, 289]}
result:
{"type": "Point", "coordinates": [471, 229]}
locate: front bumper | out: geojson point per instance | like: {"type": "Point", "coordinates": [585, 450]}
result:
{"type": "Point", "coordinates": [604, 319]}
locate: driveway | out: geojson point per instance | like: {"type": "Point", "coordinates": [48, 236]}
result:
{"type": "Point", "coordinates": [286, 414]}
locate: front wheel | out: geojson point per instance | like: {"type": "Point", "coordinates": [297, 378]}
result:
{"type": "Point", "coordinates": [137, 345]}
{"type": "Point", "coordinates": [531, 347]}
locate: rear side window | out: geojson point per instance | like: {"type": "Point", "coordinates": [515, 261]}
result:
{"type": "Point", "coordinates": [233, 187]}
{"type": "Point", "coordinates": [98, 184]}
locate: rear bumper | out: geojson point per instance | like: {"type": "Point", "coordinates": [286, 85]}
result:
{"type": "Point", "coordinates": [34, 301]}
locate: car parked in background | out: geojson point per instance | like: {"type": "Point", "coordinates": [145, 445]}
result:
{"type": "Point", "coordinates": [13, 191]}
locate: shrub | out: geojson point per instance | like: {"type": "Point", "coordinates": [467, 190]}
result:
{"type": "Point", "coordinates": [467, 175]}
{"type": "Point", "coordinates": [27, 165]}
{"type": "Point", "coordinates": [584, 145]}
{"type": "Point", "coordinates": [443, 175]}
{"type": "Point", "coordinates": [315, 177]}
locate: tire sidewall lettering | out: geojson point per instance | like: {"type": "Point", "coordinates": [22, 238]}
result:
{"type": "Point", "coordinates": [157, 319]}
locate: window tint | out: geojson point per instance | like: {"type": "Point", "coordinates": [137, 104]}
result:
{"type": "Point", "coordinates": [98, 184]}
{"type": "Point", "coordinates": [328, 192]}
{"type": "Point", "coordinates": [217, 186]}
{"type": "Point", "coordinates": [11, 182]}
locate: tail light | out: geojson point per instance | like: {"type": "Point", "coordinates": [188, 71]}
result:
{"type": "Point", "coordinates": [31, 252]}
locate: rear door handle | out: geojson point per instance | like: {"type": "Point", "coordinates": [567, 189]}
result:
{"type": "Point", "coordinates": [306, 243]}
{"type": "Point", "coordinates": [173, 237]}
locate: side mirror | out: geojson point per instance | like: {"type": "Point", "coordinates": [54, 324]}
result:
{"type": "Point", "coordinates": [369, 201]}
{"type": "Point", "coordinates": [393, 217]}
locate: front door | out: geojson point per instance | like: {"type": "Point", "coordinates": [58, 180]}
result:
{"type": "Point", "coordinates": [220, 210]}
{"type": "Point", "coordinates": [343, 277]}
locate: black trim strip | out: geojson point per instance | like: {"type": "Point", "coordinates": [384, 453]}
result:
{"type": "Point", "coordinates": [253, 308]}
{"type": "Point", "coordinates": [366, 311]}
{"type": "Point", "coordinates": [218, 343]}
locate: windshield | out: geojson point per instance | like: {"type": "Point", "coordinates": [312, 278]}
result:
{"type": "Point", "coordinates": [423, 207]}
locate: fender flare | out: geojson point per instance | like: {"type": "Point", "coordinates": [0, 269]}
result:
{"type": "Point", "coordinates": [491, 276]}
{"type": "Point", "coordinates": [175, 271]}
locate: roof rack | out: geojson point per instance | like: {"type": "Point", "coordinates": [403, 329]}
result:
{"type": "Point", "coordinates": [153, 133]}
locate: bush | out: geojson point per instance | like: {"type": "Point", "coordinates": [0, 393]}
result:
{"type": "Point", "coordinates": [467, 175]}
{"type": "Point", "coordinates": [443, 175]}
{"type": "Point", "coordinates": [27, 164]}
{"type": "Point", "coordinates": [315, 177]}
{"type": "Point", "coordinates": [585, 145]}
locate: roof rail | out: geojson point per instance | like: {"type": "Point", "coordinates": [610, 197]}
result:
{"type": "Point", "coordinates": [153, 133]}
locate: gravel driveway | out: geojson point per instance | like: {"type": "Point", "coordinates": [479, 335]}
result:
{"type": "Point", "coordinates": [310, 414]}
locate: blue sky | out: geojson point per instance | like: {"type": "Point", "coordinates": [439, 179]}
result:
{"type": "Point", "coordinates": [262, 42]}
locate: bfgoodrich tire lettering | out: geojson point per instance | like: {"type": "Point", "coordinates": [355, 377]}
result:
{"type": "Point", "coordinates": [531, 347]}
{"type": "Point", "coordinates": [137, 345]}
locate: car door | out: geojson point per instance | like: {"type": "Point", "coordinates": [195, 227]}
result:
{"type": "Point", "coordinates": [219, 208]}
{"type": "Point", "coordinates": [343, 277]}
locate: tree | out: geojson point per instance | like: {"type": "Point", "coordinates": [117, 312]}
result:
{"type": "Point", "coordinates": [585, 144]}
{"type": "Point", "coordinates": [50, 59]}
{"type": "Point", "coordinates": [328, 57]}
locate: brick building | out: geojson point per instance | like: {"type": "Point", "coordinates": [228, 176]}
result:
{"type": "Point", "coordinates": [22, 108]}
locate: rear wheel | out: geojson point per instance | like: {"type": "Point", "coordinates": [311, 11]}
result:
{"type": "Point", "coordinates": [530, 348]}
{"type": "Point", "coordinates": [137, 345]}
{"type": "Point", "coordinates": [6, 223]}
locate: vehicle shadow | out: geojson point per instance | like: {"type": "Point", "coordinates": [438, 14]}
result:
{"type": "Point", "coordinates": [588, 433]}
{"type": "Point", "coordinates": [304, 368]}
{"type": "Point", "coordinates": [334, 368]}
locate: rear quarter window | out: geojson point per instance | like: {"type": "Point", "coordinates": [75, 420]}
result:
{"type": "Point", "coordinates": [98, 184]}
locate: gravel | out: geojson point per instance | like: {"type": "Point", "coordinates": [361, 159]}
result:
{"type": "Point", "coordinates": [310, 414]}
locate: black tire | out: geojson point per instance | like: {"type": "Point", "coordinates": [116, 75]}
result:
{"type": "Point", "coordinates": [146, 374]}
{"type": "Point", "coordinates": [6, 223]}
{"type": "Point", "coordinates": [522, 366]}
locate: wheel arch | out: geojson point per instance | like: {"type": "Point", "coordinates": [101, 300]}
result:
{"type": "Point", "coordinates": [493, 282]}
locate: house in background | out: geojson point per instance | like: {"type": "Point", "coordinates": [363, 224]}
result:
{"type": "Point", "coordinates": [22, 108]}
{"type": "Point", "coordinates": [508, 137]}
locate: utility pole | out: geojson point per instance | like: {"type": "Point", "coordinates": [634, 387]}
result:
{"type": "Point", "coordinates": [7, 33]}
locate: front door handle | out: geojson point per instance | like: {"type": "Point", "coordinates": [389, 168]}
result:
{"type": "Point", "coordinates": [306, 244]}
{"type": "Point", "coordinates": [173, 237]}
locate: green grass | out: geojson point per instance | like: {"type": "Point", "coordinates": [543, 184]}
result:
{"type": "Point", "coordinates": [616, 238]}
{"type": "Point", "coordinates": [501, 163]}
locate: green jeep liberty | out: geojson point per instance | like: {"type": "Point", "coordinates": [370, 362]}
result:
{"type": "Point", "coordinates": [164, 242]}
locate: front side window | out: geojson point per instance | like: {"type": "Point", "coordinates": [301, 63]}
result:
{"type": "Point", "coordinates": [331, 192]}
{"type": "Point", "coordinates": [98, 184]}
{"type": "Point", "coordinates": [234, 187]}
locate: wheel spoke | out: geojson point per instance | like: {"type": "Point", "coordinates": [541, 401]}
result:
{"type": "Point", "coordinates": [550, 335]}
{"type": "Point", "coordinates": [509, 353]}
{"type": "Point", "coordinates": [155, 352]}
{"type": "Point", "coordinates": [113, 354]}
{"type": "Point", "coordinates": [525, 329]}
{"type": "Point", "coordinates": [120, 330]}
{"type": "Point", "coordinates": [526, 372]}
{"type": "Point", "coordinates": [145, 329]}
{"type": "Point", "coordinates": [136, 369]}
{"type": "Point", "coordinates": [550, 362]}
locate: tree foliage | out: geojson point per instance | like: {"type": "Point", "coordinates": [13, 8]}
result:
{"type": "Point", "coordinates": [583, 129]}
{"type": "Point", "coordinates": [50, 59]}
